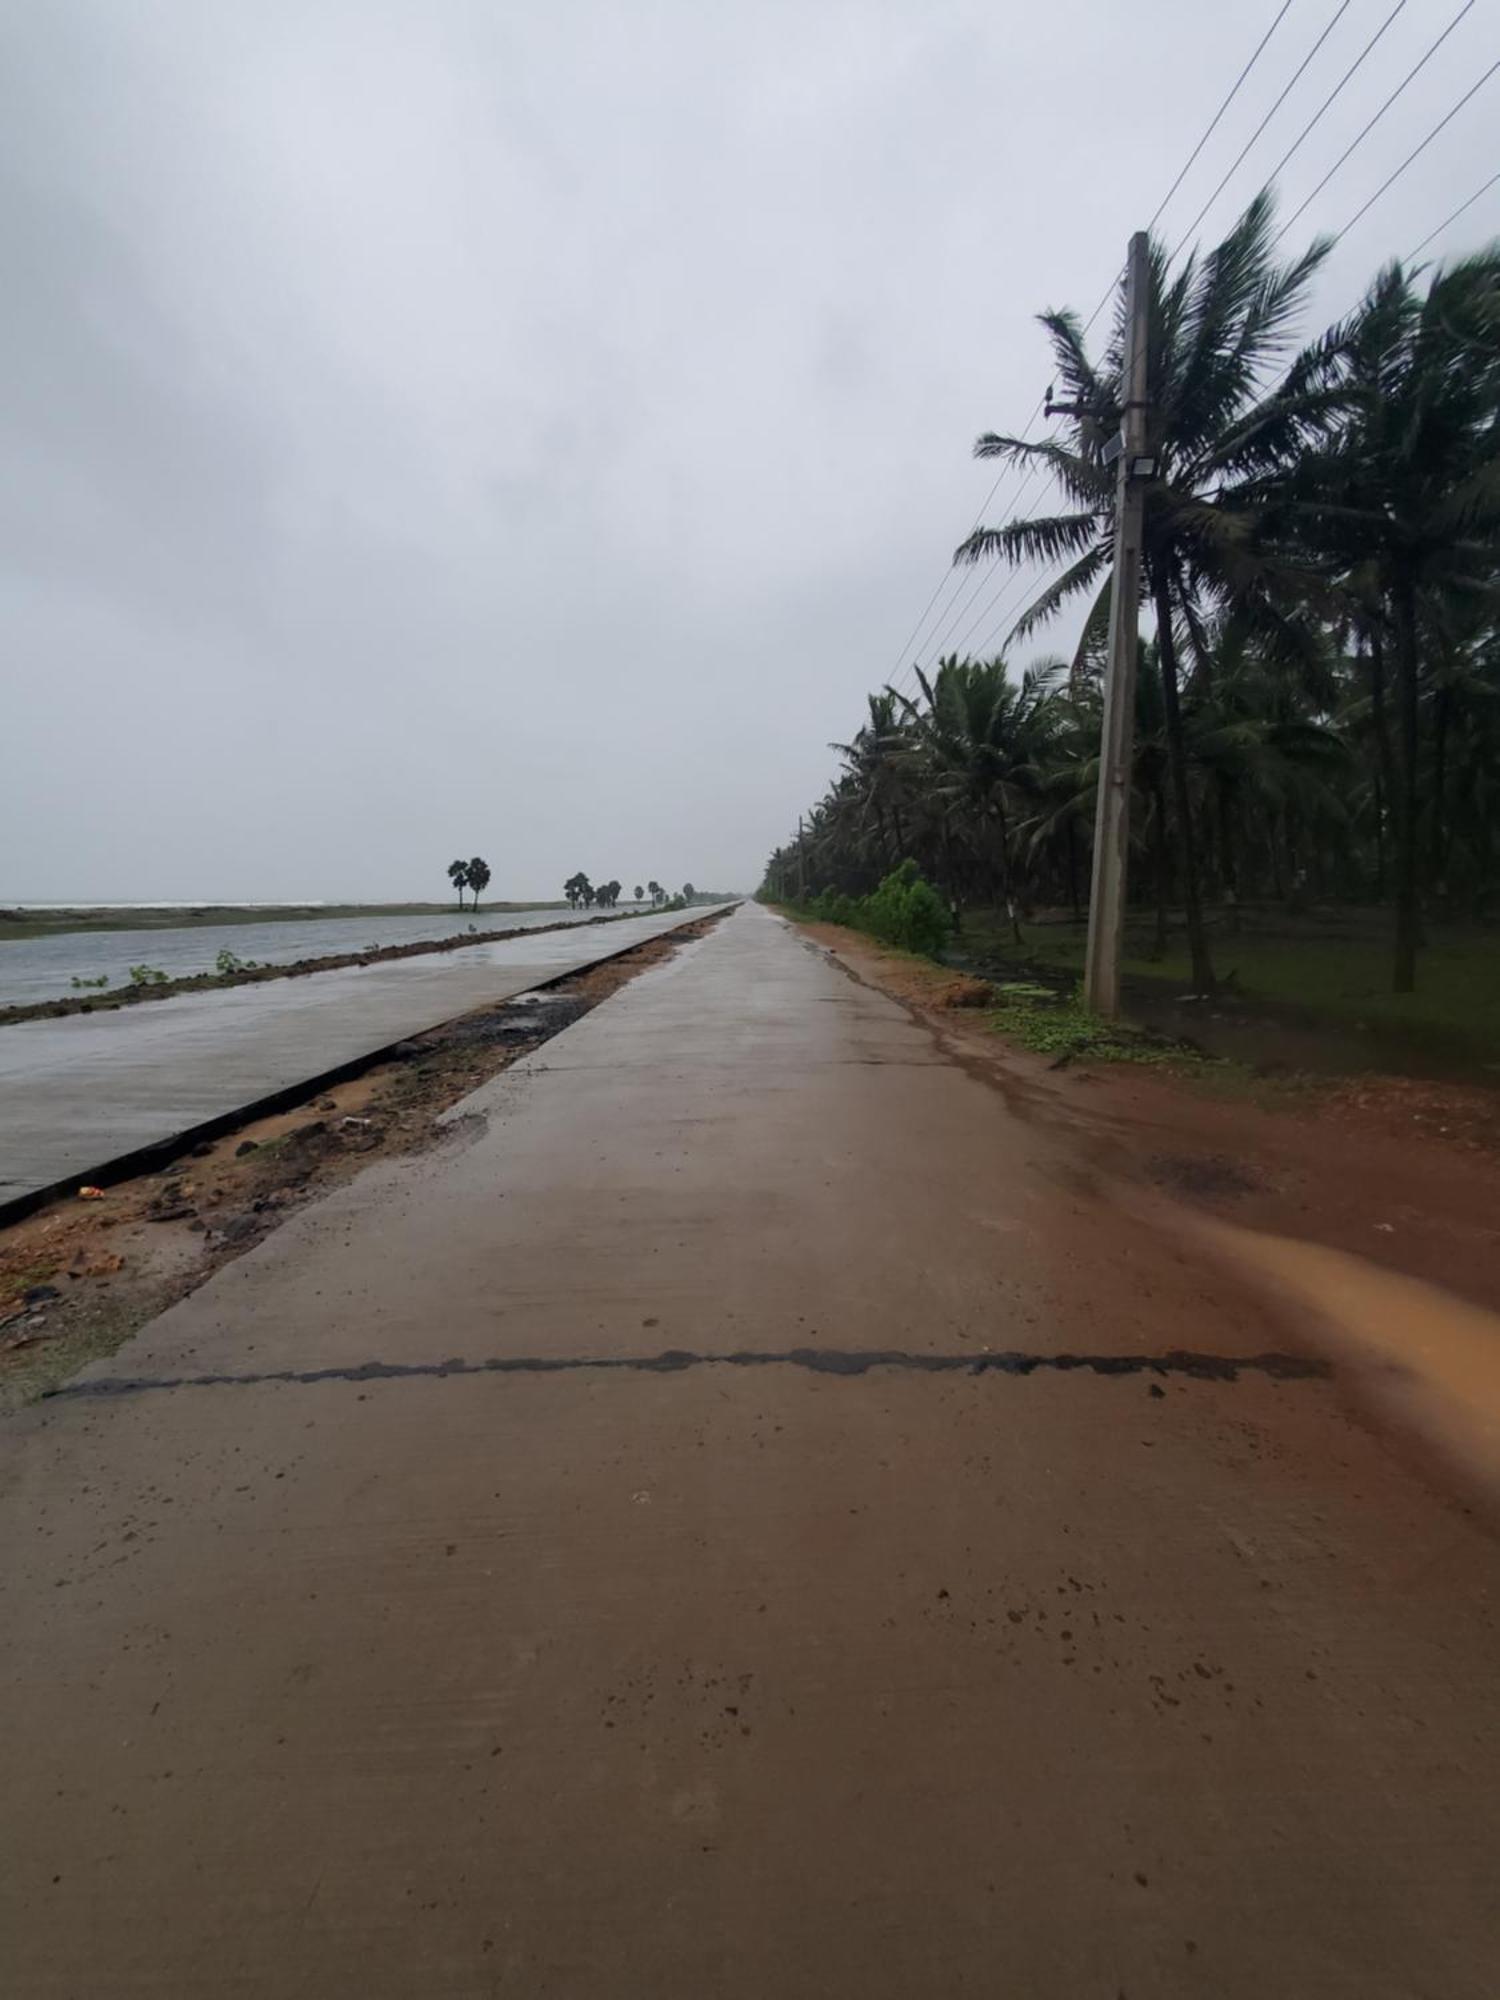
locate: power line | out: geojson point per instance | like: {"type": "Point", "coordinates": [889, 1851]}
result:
{"type": "Point", "coordinates": [1212, 123]}
{"type": "Point", "coordinates": [950, 580]}
{"type": "Point", "coordinates": [901, 669]}
{"type": "Point", "coordinates": [1275, 173]}
{"type": "Point", "coordinates": [948, 618]}
{"type": "Point", "coordinates": [1446, 119]}
{"type": "Point", "coordinates": [1011, 581]}
{"type": "Point", "coordinates": [1287, 89]}
{"type": "Point", "coordinates": [1048, 579]}
{"type": "Point", "coordinates": [1462, 206]}
{"type": "Point", "coordinates": [1002, 596]}
{"type": "Point", "coordinates": [1043, 584]}
{"type": "Point", "coordinates": [1233, 92]}
{"type": "Point", "coordinates": [1366, 129]}
{"type": "Point", "coordinates": [938, 643]}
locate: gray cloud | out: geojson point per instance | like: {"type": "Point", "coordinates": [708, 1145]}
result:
{"type": "Point", "coordinates": [440, 427]}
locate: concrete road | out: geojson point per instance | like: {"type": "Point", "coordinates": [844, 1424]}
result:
{"type": "Point", "coordinates": [609, 1556]}
{"type": "Point", "coordinates": [79, 1092]}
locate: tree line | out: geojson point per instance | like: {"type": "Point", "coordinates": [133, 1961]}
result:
{"type": "Point", "coordinates": [1318, 711]}
{"type": "Point", "coordinates": [582, 893]}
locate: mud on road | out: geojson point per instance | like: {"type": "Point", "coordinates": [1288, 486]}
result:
{"type": "Point", "coordinates": [1368, 1211]}
{"type": "Point", "coordinates": [80, 1276]}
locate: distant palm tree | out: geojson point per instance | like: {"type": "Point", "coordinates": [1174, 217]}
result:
{"type": "Point", "coordinates": [479, 877]}
{"type": "Point", "coordinates": [880, 763]}
{"type": "Point", "coordinates": [640, 894]}
{"type": "Point", "coordinates": [984, 737]}
{"type": "Point", "coordinates": [458, 875]}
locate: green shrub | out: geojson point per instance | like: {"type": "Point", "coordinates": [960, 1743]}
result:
{"type": "Point", "coordinates": [904, 911]}
{"type": "Point", "coordinates": [907, 912]}
{"type": "Point", "coordinates": [834, 907]}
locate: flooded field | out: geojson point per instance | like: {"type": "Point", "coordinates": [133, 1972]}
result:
{"type": "Point", "coordinates": [44, 968]}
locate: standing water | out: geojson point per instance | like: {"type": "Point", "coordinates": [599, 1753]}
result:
{"type": "Point", "coordinates": [44, 968]}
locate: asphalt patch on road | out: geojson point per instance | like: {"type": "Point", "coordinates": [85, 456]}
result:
{"type": "Point", "coordinates": [816, 1360]}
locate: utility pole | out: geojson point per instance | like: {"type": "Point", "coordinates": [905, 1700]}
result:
{"type": "Point", "coordinates": [1101, 975]}
{"type": "Point", "coordinates": [801, 864]}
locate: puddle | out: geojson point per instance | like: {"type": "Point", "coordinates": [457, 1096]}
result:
{"type": "Point", "coordinates": [1433, 1358]}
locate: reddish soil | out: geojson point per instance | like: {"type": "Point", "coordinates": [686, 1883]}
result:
{"type": "Point", "coordinates": [1405, 1174]}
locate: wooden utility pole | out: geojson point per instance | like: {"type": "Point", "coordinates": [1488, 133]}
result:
{"type": "Point", "coordinates": [1101, 974]}
{"type": "Point", "coordinates": [801, 864]}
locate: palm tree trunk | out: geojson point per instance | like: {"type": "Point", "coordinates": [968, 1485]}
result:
{"type": "Point", "coordinates": [1227, 856]}
{"type": "Point", "coordinates": [1273, 848]}
{"type": "Point", "coordinates": [1202, 966]}
{"type": "Point", "coordinates": [1385, 785]}
{"type": "Point", "coordinates": [1441, 707]}
{"type": "Point", "coordinates": [1072, 849]}
{"type": "Point", "coordinates": [1404, 618]}
{"type": "Point", "coordinates": [1163, 869]}
{"type": "Point", "coordinates": [1005, 882]}
{"type": "Point", "coordinates": [900, 835]}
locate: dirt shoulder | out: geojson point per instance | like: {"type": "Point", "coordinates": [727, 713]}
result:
{"type": "Point", "coordinates": [78, 1277]}
{"type": "Point", "coordinates": [1402, 1174]}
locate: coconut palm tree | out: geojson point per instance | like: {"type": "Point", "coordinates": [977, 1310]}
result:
{"type": "Point", "coordinates": [458, 875]}
{"type": "Point", "coordinates": [1402, 505]}
{"type": "Point", "coordinates": [879, 762]}
{"type": "Point", "coordinates": [980, 737]}
{"type": "Point", "coordinates": [1220, 416]}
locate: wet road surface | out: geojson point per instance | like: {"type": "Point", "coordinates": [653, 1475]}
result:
{"type": "Point", "coordinates": [43, 968]}
{"type": "Point", "coordinates": [575, 1562]}
{"type": "Point", "coordinates": [78, 1092]}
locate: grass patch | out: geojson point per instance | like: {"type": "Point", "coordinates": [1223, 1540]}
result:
{"type": "Point", "coordinates": [1057, 1024]}
{"type": "Point", "coordinates": [1330, 969]}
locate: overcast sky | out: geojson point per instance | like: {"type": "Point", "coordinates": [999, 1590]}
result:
{"type": "Point", "coordinates": [460, 426]}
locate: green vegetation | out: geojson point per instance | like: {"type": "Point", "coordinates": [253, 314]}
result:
{"type": "Point", "coordinates": [1326, 968]}
{"type": "Point", "coordinates": [582, 895]}
{"type": "Point", "coordinates": [147, 975]}
{"type": "Point", "coordinates": [1318, 712]}
{"type": "Point", "coordinates": [89, 985]}
{"type": "Point", "coordinates": [1057, 1024]}
{"type": "Point", "coordinates": [904, 911]}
